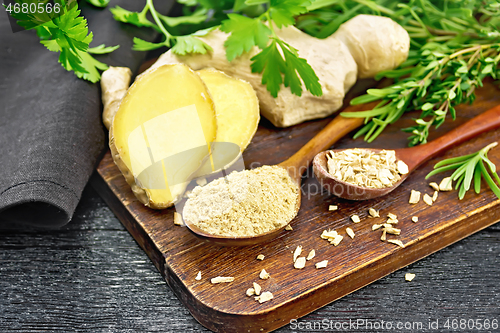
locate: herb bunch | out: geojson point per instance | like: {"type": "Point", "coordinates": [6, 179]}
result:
{"type": "Point", "coordinates": [67, 33]}
{"type": "Point", "coordinates": [278, 61]}
{"type": "Point", "coordinates": [470, 168]}
{"type": "Point", "coordinates": [180, 44]}
{"type": "Point", "coordinates": [455, 45]}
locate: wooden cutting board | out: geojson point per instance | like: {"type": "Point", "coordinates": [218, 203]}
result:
{"type": "Point", "coordinates": [354, 263]}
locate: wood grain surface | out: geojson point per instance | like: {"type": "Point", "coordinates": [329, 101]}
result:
{"type": "Point", "coordinates": [179, 255]}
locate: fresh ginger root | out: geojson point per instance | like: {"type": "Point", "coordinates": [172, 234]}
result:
{"type": "Point", "coordinates": [377, 43]}
{"type": "Point", "coordinates": [114, 84]}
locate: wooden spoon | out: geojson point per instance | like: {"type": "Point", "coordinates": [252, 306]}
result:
{"type": "Point", "coordinates": [295, 165]}
{"type": "Point", "coordinates": [413, 157]}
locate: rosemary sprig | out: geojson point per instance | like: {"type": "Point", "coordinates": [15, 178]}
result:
{"type": "Point", "coordinates": [455, 45]}
{"type": "Point", "coordinates": [470, 168]}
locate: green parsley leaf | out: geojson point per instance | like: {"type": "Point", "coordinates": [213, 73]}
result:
{"type": "Point", "coordinates": [190, 44]}
{"type": "Point", "coordinates": [144, 45]}
{"type": "Point", "coordinates": [99, 3]}
{"type": "Point", "coordinates": [255, 2]}
{"type": "Point", "coordinates": [284, 11]}
{"type": "Point", "coordinates": [102, 49]}
{"type": "Point", "coordinates": [296, 65]}
{"type": "Point", "coordinates": [196, 18]}
{"type": "Point", "coordinates": [135, 18]}
{"type": "Point", "coordinates": [270, 63]}
{"type": "Point", "coordinates": [245, 34]}
{"type": "Point", "coordinates": [91, 66]}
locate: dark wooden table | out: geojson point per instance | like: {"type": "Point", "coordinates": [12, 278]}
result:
{"type": "Point", "coordinates": [91, 276]}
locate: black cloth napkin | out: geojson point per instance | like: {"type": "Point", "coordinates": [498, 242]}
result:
{"type": "Point", "coordinates": [51, 133]}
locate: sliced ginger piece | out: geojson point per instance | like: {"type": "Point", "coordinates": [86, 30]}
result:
{"type": "Point", "coordinates": [161, 133]}
{"type": "Point", "coordinates": [237, 111]}
{"type": "Point", "coordinates": [236, 107]}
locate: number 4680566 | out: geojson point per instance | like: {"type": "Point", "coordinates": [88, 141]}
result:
{"type": "Point", "coordinates": [471, 324]}
{"type": "Point", "coordinates": [33, 8]}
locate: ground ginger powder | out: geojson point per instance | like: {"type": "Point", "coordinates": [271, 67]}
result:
{"type": "Point", "coordinates": [245, 203]}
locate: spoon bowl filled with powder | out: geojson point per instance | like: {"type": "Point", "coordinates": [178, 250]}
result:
{"type": "Point", "coordinates": [243, 207]}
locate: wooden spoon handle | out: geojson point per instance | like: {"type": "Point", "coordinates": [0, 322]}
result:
{"type": "Point", "coordinates": [484, 122]}
{"type": "Point", "coordinates": [331, 133]}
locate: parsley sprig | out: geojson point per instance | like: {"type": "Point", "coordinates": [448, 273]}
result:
{"type": "Point", "coordinates": [470, 168]}
{"type": "Point", "coordinates": [250, 23]}
{"type": "Point", "coordinates": [180, 44]}
{"type": "Point", "coordinates": [67, 33]}
{"type": "Point", "coordinates": [279, 62]}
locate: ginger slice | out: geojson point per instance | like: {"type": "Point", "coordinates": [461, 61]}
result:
{"type": "Point", "coordinates": [236, 107]}
{"type": "Point", "coordinates": [237, 112]}
{"type": "Point", "coordinates": [161, 133]}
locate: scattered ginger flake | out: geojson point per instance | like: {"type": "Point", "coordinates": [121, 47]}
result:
{"type": "Point", "coordinates": [376, 226]}
{"type": "Point", "coordinates": [178, 219]}
{"type": "Point", "coordinates": [321, 264]}
{"type": "Point", "coordinates": [201, 181]}
{"type": "Point", "coordinates": [409, 276]}
{"type": "Point", "coordinates": [414, 197]}
{"type": "Point", "coordinates": [402, 167]}
{"type": "Point", "coordinates": [414, 219]}
{"type": "Point", "coordinates": [250, 292]}
{"type": "Point", "coordinates": [446, 184]}
{"type": "Point", "coordinates": [330, 234]}
{"type": "Point", "coordinates": [428, 199]}
{"type": "Point", "coordinates": [222, 279]}
{"type": "Point", "coordinates": [355, 218]}
{"type": "Point", "coordinates": [336, 241]}
{"type": "Point", "coordinates": [434, 186]}
{"type": "Point", "coordinates": [384, 236]}
{"type": "Point", "coordinates": [373, 212]}
{"type": "Point", "coordinates": [266, 296]}
{"type": "Point", "coordinates": [186, 194]}
{"type": "Point", "coordinates": [264, 275]}
{"type": "Point", "coordinates": [198, 276]}
{"type": "Point", "coordinates": [397, 242]}
{"type": "Point", "coordinates": [392, 221]}
{"type": "Point", "coordinates": [297, 253]}
{"type": "Point", "coordinates": [392, 216]}
{"type": "Point", "coordinates": [311, 254]}
{"type": "Point", "coordinates": [350, 232]}
{"type": "Point", "coordinates": [261, 257]}
{"type": "Point", "coordinates": [435, 196]}
{"type": "Point", "coordinates": [288, 227]}
{"type": "Point", "coordinates": [333, 207]}
{"type": "Point", "coordinates": [300, 263]}
{"type": "Point", "coordinates": [393, 231]}
{"type": "Point", "coordinates": [256, 288]}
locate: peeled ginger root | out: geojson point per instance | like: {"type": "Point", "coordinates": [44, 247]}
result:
{"type": "Point", "coordinates": [114, 85]}
{"type": "Point", "coordinates": [161, 133]}
{"type": "Point", "coordinates": [376, 43]}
